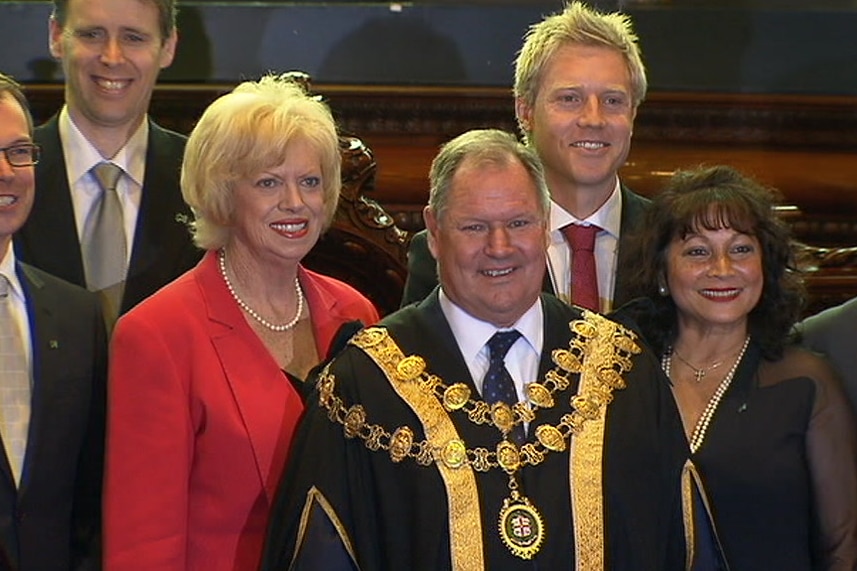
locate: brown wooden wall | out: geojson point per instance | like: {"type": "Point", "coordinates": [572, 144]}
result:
{"type": "Point", "coordinates": [805, 146]}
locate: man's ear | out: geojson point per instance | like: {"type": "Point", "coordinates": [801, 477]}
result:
{"type": "Point", "coordinates": [524, 113]}
{"type": "Point", "coordinates": [168, 50]}
{"type": "Point", "coordinates": [430, 218]}
{"type": "Point", "coordinates": [55, 33]}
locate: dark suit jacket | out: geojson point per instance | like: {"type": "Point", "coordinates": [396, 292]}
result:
{"type": "Point", "coordinates": [832, 332]}
{"type": "Point", "coordinates": [422, 269]}
{"type": "Point", "coordinates": [53, 521]}
{"type": "Point", "coordinates": [162, 248]}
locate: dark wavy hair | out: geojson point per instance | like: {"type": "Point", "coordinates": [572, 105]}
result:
{"type": "Point", "coordinates": [713, 198]}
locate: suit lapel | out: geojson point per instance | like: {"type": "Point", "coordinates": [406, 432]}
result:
{"type": "Point", "coordinates": [253, 376]}
{"type": "Point", "coordinates": [161, 222]}
{"type": "Point", "coordinates": [44, 338]}
{"type": "Point", "coordinates": [634, 209]}
{"type": "Point", "coordinates": [49, 238]}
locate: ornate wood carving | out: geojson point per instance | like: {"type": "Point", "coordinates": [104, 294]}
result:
{"type": "Point", "coordinates": [805, 146]}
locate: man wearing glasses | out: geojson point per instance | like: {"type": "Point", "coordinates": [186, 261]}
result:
{"type": "Point", "coordinates": [52, 384]}
{"type": "Point", "coordinates": [109, 213]}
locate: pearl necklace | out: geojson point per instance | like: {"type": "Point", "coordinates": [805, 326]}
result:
{"type": "Point", "coordinates": [251, 312]}
{"type": "Point", "coordinates": [698, 434]}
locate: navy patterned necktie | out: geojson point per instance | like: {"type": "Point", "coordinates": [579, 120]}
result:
{"type": "Point", "coordinates": [498, 384]}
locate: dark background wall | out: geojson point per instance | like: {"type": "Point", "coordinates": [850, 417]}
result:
{"type": "Point", "coordinates": [782, 46]}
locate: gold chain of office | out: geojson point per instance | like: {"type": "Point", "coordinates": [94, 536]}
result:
{"type": "Point", "coordinates": [400, 443]}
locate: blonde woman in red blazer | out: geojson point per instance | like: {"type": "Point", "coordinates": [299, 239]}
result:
{"type": "Point", "coordinates": [206, 375]}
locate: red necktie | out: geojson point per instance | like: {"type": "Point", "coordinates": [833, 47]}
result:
{"type": "Point", "coordinates": [584, 280]}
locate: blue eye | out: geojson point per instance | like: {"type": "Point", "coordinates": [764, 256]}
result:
{"type": "Point", "coordinates": [266, 183]}
{"type": "Point", "coordinates": [312, 181]}
{"type": "Point", "coordinates": [23, 152]}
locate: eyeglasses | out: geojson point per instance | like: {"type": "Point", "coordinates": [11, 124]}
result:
{"type": "Point", "coordinates": [22, 155]}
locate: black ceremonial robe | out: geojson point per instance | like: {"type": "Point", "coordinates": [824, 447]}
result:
{"type": "Point", "coordinates": [343, 505]}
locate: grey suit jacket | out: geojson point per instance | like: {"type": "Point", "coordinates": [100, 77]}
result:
{"type": "Point", "coordinates": [833, 332]}
{"type": "Point", "coordinates": [53, 520]}
{"type": "Point", "coordinates": [162, 248]}
{"type": "Point", "coordinates": [422, 269]}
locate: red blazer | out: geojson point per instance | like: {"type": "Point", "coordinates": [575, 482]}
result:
{"type": "Point", "coordinates": [200, 419]}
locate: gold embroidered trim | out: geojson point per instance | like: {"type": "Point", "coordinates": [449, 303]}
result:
{"type": "Point", "coordinates": [586, 459]}
{"type": "Point", "coordinates": [314, 496]}
{"type": "Point", "coordinates": [690, 480]}
{"type": "Point", "coordinates": [687, 514]}
{"type": "Point", "coordinates": [599, 349]}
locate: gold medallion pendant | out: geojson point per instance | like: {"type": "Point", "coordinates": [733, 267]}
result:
{"type": "Point", "coordinates": [521, 526]}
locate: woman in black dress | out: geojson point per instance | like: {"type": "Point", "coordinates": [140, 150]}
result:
{"type": "Point", "coordinates": [770, 429]}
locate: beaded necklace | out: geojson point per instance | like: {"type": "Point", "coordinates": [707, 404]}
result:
{"type": "Point", "coordinates": [698, 434]}
{"type": "Point", "coordinates": [250, 311]}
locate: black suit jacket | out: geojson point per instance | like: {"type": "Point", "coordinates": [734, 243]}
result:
{"type": "Point", "coordinates": [162, 248]}
{"type": "Point", "coordinates": [422, 269]}
{"type": "Point", "coordinates": [53, 520]}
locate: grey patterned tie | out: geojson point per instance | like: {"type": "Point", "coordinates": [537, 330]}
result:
{"type": "Point", "coordinates": [104, 249]}
{"type": "Point", "coordinates": [15, 385]}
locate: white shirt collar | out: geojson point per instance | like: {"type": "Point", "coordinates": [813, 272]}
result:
{"type": "Point", "coordinates": [608, 217]}
{"type": "Point", "coordinates": [131, 157]}
{"type": "Point", "coordinates": [472, 334]}
{"type": "Point", "coordinates": [7, 268]}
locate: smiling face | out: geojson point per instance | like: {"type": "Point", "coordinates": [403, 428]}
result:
{"type": "Point", "coordinates": [17, 184]}
{"type": "Point", "coordinates": [490, 242]}
{"type": "Point", "coordinates": [715, 278]}
{"type": "Point", "coordinates": [581, 120]}
{"type": "Point", "coordinates": [111, 52]}
{"type": "Point", "coordinates": [279, 213]}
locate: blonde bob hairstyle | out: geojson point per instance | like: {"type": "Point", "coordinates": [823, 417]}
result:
{"type": "Point", "coordinates": [245, 132]}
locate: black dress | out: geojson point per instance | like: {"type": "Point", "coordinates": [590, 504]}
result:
{"type": "Point", "coordinates": [779, 463]}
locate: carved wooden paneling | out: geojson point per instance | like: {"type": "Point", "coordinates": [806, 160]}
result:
{"type": "Point", "coordinates": [805, 146]}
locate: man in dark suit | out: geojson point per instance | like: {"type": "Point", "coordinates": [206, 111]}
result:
{"type": "Point", "coordinates": [111, 52]}
{"type": "Point", "coordinates": [442, 439]}
{"type": "Point", "coordinates": [53, 360]}
{"type": "Point", "coordinates": [579, 79]}
{"type": "Point", "coordinates": [832, 333]}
